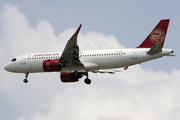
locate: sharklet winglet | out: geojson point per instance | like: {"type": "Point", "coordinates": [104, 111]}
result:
{"type": "Point", "coordinates": [77, 31]}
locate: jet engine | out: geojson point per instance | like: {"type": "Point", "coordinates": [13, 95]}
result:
{"type": "Point", "coordinates": [68, 77]}
{"type": "Point", "coordinates": [51, 65]}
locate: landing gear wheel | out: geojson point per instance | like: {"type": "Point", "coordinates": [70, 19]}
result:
{"type": "Point", "coordinates": [26, 76]}
{"type": "Point", "coordinates": [87, 81]}
{"type": "Point", "coordinates": [25, 81]}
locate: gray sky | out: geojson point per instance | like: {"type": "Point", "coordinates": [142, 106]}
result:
{"type": "Point", "coordinates": [149, 91]}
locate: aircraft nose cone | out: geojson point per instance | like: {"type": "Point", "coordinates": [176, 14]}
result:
{"type": "Point", "coordinates": [6, 67]}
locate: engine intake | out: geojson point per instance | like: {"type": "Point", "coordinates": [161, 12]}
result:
{"type": "Point", "coordinates": [68, 77]}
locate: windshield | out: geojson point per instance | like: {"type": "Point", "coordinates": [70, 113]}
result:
{"type": "Point", "coordinates": [13, 60]}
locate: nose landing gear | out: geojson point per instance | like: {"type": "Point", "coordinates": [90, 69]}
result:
{"type": "Point", "coordinates": [26, 75]}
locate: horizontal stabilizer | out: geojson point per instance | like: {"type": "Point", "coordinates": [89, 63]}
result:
{"type": "Point", "coordinates": [156, 48]}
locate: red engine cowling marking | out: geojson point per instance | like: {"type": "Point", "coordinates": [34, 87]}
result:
{"type": "Point", "coordinates": [51, 65]}
{"type": "Point", "coordinates": [68, 77]}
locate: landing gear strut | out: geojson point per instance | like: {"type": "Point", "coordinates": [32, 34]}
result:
{"type": "Point", "coordinates": [78, 75]}
{"type": "Point", "coordinates": [26, 80]}
{"type": "Point", "coordinates": [87, 80]}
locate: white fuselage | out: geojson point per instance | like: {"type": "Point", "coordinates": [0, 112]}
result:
{"type": "Point", "coordinates": [92, 60]}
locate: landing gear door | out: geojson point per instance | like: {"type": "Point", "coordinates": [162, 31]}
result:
{"type": "Point", "coordinates": [134, 54]}
{"type": "Point", "coordinates": [23, 60]}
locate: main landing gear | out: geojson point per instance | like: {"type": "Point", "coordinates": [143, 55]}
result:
{"type": "Point", "coordinates": [87, 81]}
{"type": "Point", "coordinates": [79, 75]}
{"type": "Point", "coordinates": [26, 80]}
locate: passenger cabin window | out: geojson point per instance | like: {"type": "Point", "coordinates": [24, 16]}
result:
{"type": "Point", "coordinates": [13, 60]}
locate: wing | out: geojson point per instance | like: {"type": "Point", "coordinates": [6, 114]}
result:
{"type": "Point", "coordinates": [70, 54]}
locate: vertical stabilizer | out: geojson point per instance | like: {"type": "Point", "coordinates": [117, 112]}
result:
{"type": "Point", "coordinates": [157, 35]}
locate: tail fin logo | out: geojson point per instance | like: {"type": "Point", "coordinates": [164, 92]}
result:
{"type": "Point", "coordinates": [157, 36]}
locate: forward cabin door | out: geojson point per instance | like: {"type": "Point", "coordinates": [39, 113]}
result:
{"type": "Point", "coordinates": [23, 60]}
{"type": "Point", "coordinates": [134, 54]}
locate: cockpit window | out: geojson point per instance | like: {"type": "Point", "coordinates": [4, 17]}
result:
{"type": "Point", "coordinates": [13, 60]}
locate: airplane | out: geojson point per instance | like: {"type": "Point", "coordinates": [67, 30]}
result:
{"type": "Point", "coordinates": [72, 64]}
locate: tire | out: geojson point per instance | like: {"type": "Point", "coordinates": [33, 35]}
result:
{"type": "Point", "coordinates": [25, 81]}
{"type": "Point", "coordinates": [87, 81]}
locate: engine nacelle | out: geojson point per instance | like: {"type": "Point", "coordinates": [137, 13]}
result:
{"type": "Point", "coordinates": [51, 65]}
{"type": "Point", "coordinates": [68, 77]}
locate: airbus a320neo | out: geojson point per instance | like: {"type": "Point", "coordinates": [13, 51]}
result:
{"type": "Point", "coordinates": [72, 64]}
